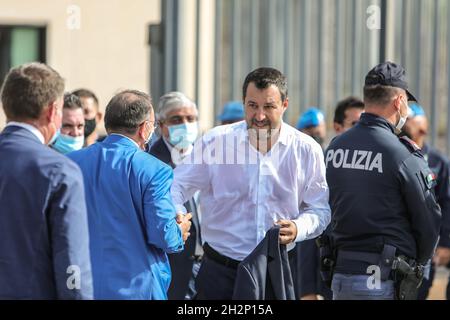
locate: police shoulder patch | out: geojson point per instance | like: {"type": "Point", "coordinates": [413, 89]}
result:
{"type": "Point", "coordinates": [410, 144]}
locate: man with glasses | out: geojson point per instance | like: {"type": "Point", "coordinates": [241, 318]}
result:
{"type": "Point", "coordinates": [132, 221]}
{"type": "Point", "coordinates": [177, 117]}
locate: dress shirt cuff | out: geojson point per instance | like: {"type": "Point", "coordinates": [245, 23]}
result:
{"type": "Point", "coordinates": [179, 208]}
{"type": "Point", "coordinates": [301, 231]}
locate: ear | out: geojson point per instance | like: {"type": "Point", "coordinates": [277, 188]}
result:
{"type": "Point", "coordinates": [99, 116]}
{"type": "Point", "coordinates": [286, 103]}
{"type": "Point", "coordinates": [398, 102]}
{"type": "Point", "coordinates": [141, 131]}
{"type": "Point", "coordinates": [337, 127]}
{"type": "Point", "coordinates": [51, 111]}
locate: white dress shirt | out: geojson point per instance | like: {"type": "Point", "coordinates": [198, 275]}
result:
{"type": "Point", "coordinates": [176, 154]}
{"type": "Point", "coordinates": [28, 127]}
{"type": "Point", "coordinates": [243, 192]}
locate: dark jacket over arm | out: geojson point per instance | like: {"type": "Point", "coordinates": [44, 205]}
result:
{"type": "Point", "coordinates": [265, 273]}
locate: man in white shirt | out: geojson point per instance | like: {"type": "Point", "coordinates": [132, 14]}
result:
{"type": "Point", "coordinates": [252, 174]}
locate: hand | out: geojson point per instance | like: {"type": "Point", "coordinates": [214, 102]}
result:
{"type": "Point", "coordinates": [309, 296]}
{"type": "Point", "coordinates": [184, 222]}
{"type": "Point", "coordinates": [288, 231]}
{"type": "Point", "coordinates": [441, 256]}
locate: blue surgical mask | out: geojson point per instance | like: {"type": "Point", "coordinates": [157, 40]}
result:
{"type": "Point", "coordinates": [183, 135]}
{"type": "Point", "coordinates": [66, 144]}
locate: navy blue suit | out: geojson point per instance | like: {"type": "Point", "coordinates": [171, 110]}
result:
{"type": "Point", "coordinates": [265, 274]}
{"type": "Point", "coordinates": [44, 247]}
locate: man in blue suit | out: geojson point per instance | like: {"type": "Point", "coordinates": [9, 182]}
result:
{"type": "Point", "coordinates": [44, 247]}
{"type": "Point", "coordinates": [132, 221]}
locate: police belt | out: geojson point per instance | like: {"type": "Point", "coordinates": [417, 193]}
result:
{"type": "Point", "coordinates": [358, 262]}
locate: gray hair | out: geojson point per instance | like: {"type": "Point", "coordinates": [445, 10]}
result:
{"type": "Point", "coordinates": [173, 101]}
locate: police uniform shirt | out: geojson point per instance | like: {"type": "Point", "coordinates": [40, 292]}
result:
{"type": "Point", "coordinates": [381, 191]}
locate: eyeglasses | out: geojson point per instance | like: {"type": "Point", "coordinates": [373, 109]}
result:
{"type": "Point", "coordinates": [174, 120]}
{"type": "Point", "coordinates": [155, 123]}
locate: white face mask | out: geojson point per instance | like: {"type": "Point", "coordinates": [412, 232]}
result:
{"type": "Point", "coordinates": [402, 120]}
{"type": "Point", "coordinates": [183, 135]}
{"type": "Point", "coordinates": [149, 138]}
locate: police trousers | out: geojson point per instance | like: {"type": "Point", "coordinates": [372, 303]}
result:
{"type": "Point", "coordinates": [361, 287]}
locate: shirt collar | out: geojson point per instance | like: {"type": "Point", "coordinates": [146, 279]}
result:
{"type": "Point", "coordinates": [370, 118]}
{"type": "Point", "coordinates": [124, 136]}
{"type": "Point", "coordinates": [28, 127]}
{"type": "Point", "coordinates": [176, 152]}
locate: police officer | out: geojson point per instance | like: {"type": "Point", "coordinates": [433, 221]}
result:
{"type": "Point", "coordinates": [312, 123]}
{"type": "Point", "coordinates": [416, 128]}
{"type": "Point", "coordinates": [304, 260]}
{"type": "Point", "coordinates": [385, 220]}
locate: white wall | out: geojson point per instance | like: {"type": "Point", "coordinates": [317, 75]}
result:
{"type": "Point", "coordinates": [107, 53]}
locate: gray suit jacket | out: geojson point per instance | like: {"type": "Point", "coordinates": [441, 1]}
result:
{"type": "Point", "coordinates": [265, 273]}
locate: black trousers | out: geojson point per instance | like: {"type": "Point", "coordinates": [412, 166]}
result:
{"type": "Point", "coordinates": [214, 281]}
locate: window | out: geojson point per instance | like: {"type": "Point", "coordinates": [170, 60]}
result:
{"type": "Point", "coordinates": [20, 44]}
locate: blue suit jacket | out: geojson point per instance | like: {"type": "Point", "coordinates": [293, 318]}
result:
{"type": "Point", "coordinates": [131, 219]}
{"type": "Point", "coordinates": [44, 247]}
{"type": "Point", "coordinates": [180, 263]}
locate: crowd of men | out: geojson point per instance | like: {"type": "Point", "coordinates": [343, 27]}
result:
{"type": "Point", "coordinates": [252, 209]}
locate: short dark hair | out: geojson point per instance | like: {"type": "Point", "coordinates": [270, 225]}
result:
{"type": "Point", "coordinates": [86, 93]}
{"type": "Point", "coordinates": [344, 105]}
{"type": "Point", "coordinates": [127, 110]}
{"type": "Point", "coordinates": [72, 102]}
{"type": "Point", "coordinates": [264, 77]}
{"type": "Point", "coordinates": [379, 94]}
{"type": "Point", "coordinates": [29, 88]}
